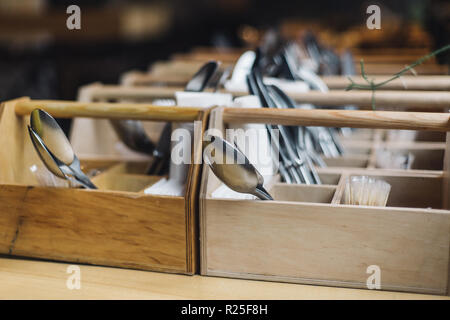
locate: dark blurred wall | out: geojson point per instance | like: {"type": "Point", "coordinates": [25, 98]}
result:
{"type": "Point", "coordinates": [55, 69]}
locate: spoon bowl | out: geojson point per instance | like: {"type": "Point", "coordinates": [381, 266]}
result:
{"type": "Point", "coordinates": [201, 78]}
{"type": "Point", "coordinates": [54, 148]}
{"type": "Point", "coordinates": [45, 154]}
{"type": "Point", "coordinates": [52, 135]}
{"type": "Point", "coordinates": [233, 168]}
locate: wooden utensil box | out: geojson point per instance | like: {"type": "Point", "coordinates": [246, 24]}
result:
{"type": "Point", "coordinates": [117, 225]}
{"type": "Point", "coordinates": [306, 235]}
{"type": "Point", "coordinates": [364, 146]}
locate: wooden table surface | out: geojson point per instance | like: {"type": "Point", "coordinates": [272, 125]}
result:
{"type": "Point", "coordinates": [28, 279]}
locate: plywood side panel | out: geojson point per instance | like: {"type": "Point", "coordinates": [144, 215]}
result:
{"type": "Point", "coordinates": [328, 244]}
{"type": "Point", "coordinates": [136, 231]}
{"type": "Point", "coordinates": [17, 154]}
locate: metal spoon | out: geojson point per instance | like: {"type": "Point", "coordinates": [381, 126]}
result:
{"type": "Point", "coordinates": [233, 168]}
{"type": "Point", "coordinates": [201, 78]}
{"type": "Point", "coordinates": [132, 133]}
{"type": "Point", "coordinates": [302, 152]}
{"type": "Point", "coordinates": [243, 67]}
{"type": "Point", "coordinates": [54, 148]}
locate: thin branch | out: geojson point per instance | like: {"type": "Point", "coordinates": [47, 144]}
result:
{"type": "Point", "coordinates": [374, 86]}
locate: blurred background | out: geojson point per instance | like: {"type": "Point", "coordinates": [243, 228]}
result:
{"type": "Point", "coordinates": [41, 58]}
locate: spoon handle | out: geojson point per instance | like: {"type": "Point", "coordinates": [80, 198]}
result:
{"type": "Point", "coordinates": [262, 193]}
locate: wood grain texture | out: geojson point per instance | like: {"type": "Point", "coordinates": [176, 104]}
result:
{"type": "Point", "coordinates": [178, 67]}
{"type": "Point", "coordinates": [446, 189]}
{"type": "Point", "coordinates": [412, 52]}
{"type": "Point", "coordinates": [425, 156]}
{"type": "Point", "coordinates": [95, 227]}
{"type": "Point", "coordinates": [25, 279]}
{"type": "Point", "coordinates": [327, 244]}
{"type": "Point", "coordinates": [407, 191]}
{"type": "Point", "coordinates": [101, 92]}
{"type": "Point", "coordinates": [124, 182]}
{"type": "Point", "coordinates": [341, 118]}
{"type": "Point", "coordinates": [137, 111]}
{"type": "Point", "coordinates": [385, 54]}
{"type": "Point", "coordinates": [138, 78]}
{"type": "Point", "coordinates": [347, 160]}
{"type": "Point", "coordinates": [94, 138]}
{"type": "Point", "coordinates": [380, 172]}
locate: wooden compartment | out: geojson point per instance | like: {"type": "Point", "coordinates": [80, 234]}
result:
{"type": "Point", "coordinates": [307, 236]}
{"type": "Point", "coordinates": [303, 193]}
{"type": "Point", "coordinates": [362, 150]}
{"type": "Point", "coordinates": [361, 145]}
{"type": "Point", "coordinates": [116, 225]}
{"type": "Point", "coordinates": [351, 160]}
{"type": "Point", "coordinates": [412, 191]}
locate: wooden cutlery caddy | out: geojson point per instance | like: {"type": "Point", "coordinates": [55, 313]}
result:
{"type": "Point", "coordinates": [306, 235]}
{"type": "Point", "coordinates": [116, 225]}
